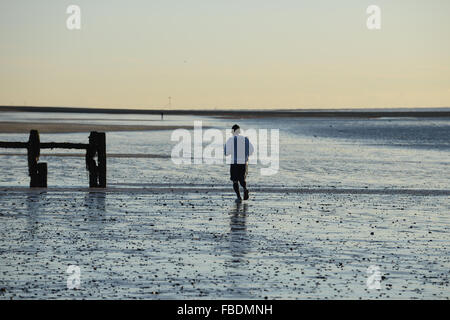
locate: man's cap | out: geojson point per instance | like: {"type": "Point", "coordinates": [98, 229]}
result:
{"type": "Point", "coordinates": [235, 127]}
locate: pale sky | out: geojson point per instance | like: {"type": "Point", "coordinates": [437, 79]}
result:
{"type": "Point", "coordinates": [225, 54]}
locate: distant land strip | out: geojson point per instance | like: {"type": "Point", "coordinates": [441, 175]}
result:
{"type": "Point", "coordinates": [310, 113]}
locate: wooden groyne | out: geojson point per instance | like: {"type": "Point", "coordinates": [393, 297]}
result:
{"type": "Point", "coordinates": [95, 157]}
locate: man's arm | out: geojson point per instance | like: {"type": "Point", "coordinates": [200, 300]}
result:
{"type": "Point", "coordinates": [227, 148]}
{"type": "Point", "coordinates": [250, 148]}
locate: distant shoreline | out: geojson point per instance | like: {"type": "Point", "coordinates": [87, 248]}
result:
{"type": "Point", "coordinates": [307, 113]}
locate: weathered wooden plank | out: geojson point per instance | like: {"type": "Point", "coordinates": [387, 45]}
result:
{"type": "Point", "coordinates": [33, 157]}
{"type": "Point", "coordinates": [45, 145]}
{"type": "Point", "coordinates": [91, 166]}
{"type": "Point", "coordinates": [16, 145]}
{"type": "Point", "coordinates": [101, 156]}
{"type": "Point", "coordinates": [42, 174]}
{"type": "Point", "coordinates": [63, 145]}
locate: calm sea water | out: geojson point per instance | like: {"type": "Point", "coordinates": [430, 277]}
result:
{"type": "Point", "coordinates": [313, 153]}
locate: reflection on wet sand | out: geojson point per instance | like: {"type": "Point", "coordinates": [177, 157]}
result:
{"type": "Point", "coordinates": [239, 242]}
{"type": "Point", "coordinates": [95, 200]}
{"type": "Point", "coordinates": [95, 206]}
{"type": "Point", "coordinates": [34, 205]}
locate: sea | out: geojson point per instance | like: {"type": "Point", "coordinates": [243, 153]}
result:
{"type": "Point", "coordinates": [373, 153]}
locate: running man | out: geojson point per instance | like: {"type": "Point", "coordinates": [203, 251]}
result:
{"type": "Point", "coordinates": [240, 148]}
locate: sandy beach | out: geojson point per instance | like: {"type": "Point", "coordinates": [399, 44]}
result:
{"type": "Point", "coordinates": [51, 127]}
{"type": "Point", "coordinates": [350, 195]}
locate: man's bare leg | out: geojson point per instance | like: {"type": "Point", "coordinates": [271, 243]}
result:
{"type": "Point", "coordinates": [236, 189]}
{"type": "Point", "coordinates": [244, 185]}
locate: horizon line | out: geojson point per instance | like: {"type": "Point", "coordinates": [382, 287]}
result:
{"type": "Point", "coordinates": [212, 109]}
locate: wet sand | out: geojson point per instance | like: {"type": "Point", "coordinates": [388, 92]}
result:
{"type": "Point", "coordinates": [197, 243]}
{"type": "Point", "coordinates": [135, 188]}
{"type": "Point", "coordinates": [52, 127]}
{"type": "Point", "coordinates": [159, 237]}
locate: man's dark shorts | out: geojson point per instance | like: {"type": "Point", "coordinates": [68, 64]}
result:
{"type": "Point", "coordinates": [238, 172]}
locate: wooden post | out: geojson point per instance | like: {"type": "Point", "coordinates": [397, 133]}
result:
{"type": "Point", "coordinates": [42, 174]}
{"type": "Point", "coordinates": [91, 166]}
{"type": "Point", "coordinates": [33, 157]}
{"type": "Point", "coordinates": [101, 158]}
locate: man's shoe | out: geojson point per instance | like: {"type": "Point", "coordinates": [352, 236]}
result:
{"type": "Point", "coordinates": [246, 194]}
{"type": "Point", "coordinates": [238, 200]}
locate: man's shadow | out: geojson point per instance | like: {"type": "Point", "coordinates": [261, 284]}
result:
{"type": "Point", "coordinates": [239, 242]}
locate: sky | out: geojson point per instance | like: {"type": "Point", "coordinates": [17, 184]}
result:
{"type": "Point", "coordinates": [211, 54]}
